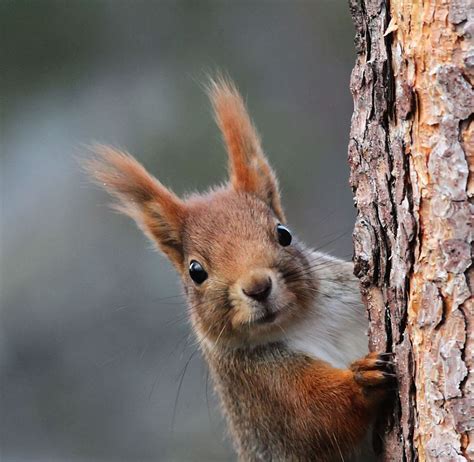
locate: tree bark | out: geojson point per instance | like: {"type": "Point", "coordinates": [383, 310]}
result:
{"type": "Point", "coordinates": [411, 156]}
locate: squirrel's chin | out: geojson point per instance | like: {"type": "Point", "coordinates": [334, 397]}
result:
{"type": "Point", "coordinates": [269, 328]}
{"type": "Point", "coordinates": [266, 318]}
{"type": "Point", "coordinates": [267, 323]}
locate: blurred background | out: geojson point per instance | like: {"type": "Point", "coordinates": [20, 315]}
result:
{"type": "Point", "coordinates": [97, 359]}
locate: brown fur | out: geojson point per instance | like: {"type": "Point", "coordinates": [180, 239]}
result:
{"type": "Point", "coordinates": [288, 407]}
{"type": "Point", "coordinates": [249, 169]}
{"type": "Point", "coordinates": [281, 404]}
{"type": "Point", "coordinates": [158, 212]}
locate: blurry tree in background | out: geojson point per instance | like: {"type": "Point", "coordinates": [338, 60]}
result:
{"type": "Point", "coordinates": [411, 152]}
{"type": "Point", "coordinates": [94, 341]}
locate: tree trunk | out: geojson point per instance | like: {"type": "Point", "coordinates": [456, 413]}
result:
{"type": "Point", "coordinates": [411, 151]}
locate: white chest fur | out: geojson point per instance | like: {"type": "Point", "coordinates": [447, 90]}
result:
{"type": "Point", "coordinates": [336, 329]}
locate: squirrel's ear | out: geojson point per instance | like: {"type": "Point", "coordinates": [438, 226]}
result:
{"type": "Point", "coordinates": [249, 168]}
{"type": "Point", "coordinates": [156, 210]}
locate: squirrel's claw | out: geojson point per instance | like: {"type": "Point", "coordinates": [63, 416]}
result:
{"type": "Point", "coordinates": [374, 370]}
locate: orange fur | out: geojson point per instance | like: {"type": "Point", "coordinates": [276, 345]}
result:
{"type": "Point", "coordinates": [304, 409]}
{"type": "Point", "coordinates": [156, 210]}
{"type": "Point", "coordinates": [249, 169]}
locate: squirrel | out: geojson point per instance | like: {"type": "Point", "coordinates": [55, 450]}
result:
{"type": "Point", "coordinates": [276, 321]}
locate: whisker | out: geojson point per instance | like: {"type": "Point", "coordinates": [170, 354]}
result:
{"type": "Point", "coordinates": [333, 297]}
{"type": "Point", "coordinates": [161, 299]}
{"type": "Point", "coordinates": [219, 336]}
{"type": "Point", "coordinates": [180, 318]}
{"type": "Point", "coordinates": [313, 266]}
{"type": "Point", "coordinates": [207, 396]}
{"type": "Point", "coordinates": [338, 236]}
{"type": "Point", "coordinates": [179, 387]}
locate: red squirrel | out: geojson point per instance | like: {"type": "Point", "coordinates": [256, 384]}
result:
{"type": "Point", "coordinates": [277, 322]}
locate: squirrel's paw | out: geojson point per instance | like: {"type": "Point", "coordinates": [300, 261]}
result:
{"type": "Point", "coordinates": [374, 370]}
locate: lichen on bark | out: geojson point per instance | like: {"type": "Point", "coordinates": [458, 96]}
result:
{"type": "Point", "coordinates": [411, 156]}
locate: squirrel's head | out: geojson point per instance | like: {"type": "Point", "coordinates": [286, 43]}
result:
{"type": "Point", "coordinates": [246, 278]}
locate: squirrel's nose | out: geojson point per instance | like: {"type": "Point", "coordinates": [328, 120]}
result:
{"type": "Point", "coordinates": [257, 287]}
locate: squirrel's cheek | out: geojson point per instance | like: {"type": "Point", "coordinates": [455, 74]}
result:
{"type": "Point", "coordinates": [240, 316]}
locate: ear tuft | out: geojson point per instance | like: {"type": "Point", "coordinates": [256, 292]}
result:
{"type": "Point", "coordinates": [248, 167]}
{"type": "Point", "coordinates": [121, 175]}
{"type": "Point", "coordinates": [157, 210]}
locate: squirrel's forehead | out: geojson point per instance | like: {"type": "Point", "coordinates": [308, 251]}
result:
{"type": "Point", "coordinates": [225, 224]}
{"type": "Point", "coordinates": [229, 212]}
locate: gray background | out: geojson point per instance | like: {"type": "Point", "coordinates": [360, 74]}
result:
{"type": "Point", "coordinates": [94, 341]}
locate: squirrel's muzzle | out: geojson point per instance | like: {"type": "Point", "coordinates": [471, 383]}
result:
{"type": "Point", "coordinates": [257, 285]}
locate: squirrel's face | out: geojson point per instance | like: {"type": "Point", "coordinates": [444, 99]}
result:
{"type": "Point", "coordinates": [245, 277]}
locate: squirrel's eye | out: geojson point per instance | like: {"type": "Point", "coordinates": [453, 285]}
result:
{"type": "Point", "coordinates": [284, 235]}
{"type": "Point", "coordinates": [197, 272]}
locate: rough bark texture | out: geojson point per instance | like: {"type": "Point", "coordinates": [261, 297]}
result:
{"type": "Point", "coordinates": [411, 156]}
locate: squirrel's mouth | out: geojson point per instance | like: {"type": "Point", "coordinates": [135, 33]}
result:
{"type": "Point", "coordinates": [267, 318]}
